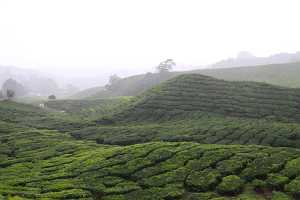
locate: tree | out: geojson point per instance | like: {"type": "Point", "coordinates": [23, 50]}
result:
{"type": "Point", "coordinates": [166, 66]}
{"type": "Point", "coordinates": [17, 88]}
{"type": "Point", "coordinates": [10, 94]}
{"type": "Point", "coordinates": [52, 97]}
{"type": "Point", "coordinates": [113, 80]}
{"type": "Point", "coordinates": [1, 95]}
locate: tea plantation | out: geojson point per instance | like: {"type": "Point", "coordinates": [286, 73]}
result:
{"type": "Point", "coordinates": [187, 96]}
{"type": "Point", "coordinates": [41, 164]}
{"type": "Point", "coordinates": [191, 138]}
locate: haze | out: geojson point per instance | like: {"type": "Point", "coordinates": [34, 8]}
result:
{"type": "Point", "coordinates": [77, 38]}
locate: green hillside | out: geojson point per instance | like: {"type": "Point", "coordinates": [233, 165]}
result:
{"type": "Point", "coordinates": [277, 74]}
{"type": "Point", "coordinates": [30, 116]}
{"type": "Point", "coordinates": [40, 164]}
{"type": "Point", "coordinates": [89, 108]}
{"type": "Point", "coordinates": [193, 137]}
{"type": "Point", "coordinates": [286, 75]}
{"type": "Point", "coordinates": [206, 130]}
{"type": "Point", "coordinates": [191, 95]}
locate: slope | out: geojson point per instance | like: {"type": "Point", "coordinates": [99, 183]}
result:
{"type": "Point", "coordinates": [86, 93]}
{"type": "Point", "coordinates": [30, 116]}
{"type": "Point", "coordinates": [41, 164]}
{"type": "Point", "coordinates": [88, 108]}
{"type": "Point", "coordinates": [278, 74]}
{"type": "Point", "coordinates": [191, 95]}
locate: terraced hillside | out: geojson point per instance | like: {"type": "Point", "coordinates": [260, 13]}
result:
{"type": "Point", "coordinates": [205, 130]}
{"type": "Point", "coordinates": [31, 116]}
{"type": "Point", "coordinates": [41, 164]}
{"type": "Point", "coordinates": [191, 95]}
{"type": "Point", "coordinates": [286, 75]}
{"type": "Point", "coordinates": [191, 138]}
{"type": "Point", "coordinates": [88, 109]}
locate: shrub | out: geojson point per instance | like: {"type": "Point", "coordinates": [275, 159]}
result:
{"type": "Point", "coordinates": [203, 181]}
{"type": "Point", "coordinates": [259, 184]}
{"type": "Point", "coordinates": [294, 187]}
{"type": "Point", "coordinates": [292, 168]}
{"type": "Point", "coordinates": [230, 185]}
{"type": "Point", "coordinates": [277, 181]}
{"type": "Point", "coordinates": [280, 196]}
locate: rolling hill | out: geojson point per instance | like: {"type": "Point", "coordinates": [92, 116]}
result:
{"type": "Point", "coordinates": [31, 116]}
{"type": "Point", "coordinates": [277, 74]}
{"type": "Point", "coordinates": [192, 137]}
{"type": "Point", "coordinates": [285, 75]}
{"type": "Point", "coordinates": [189, 95]}
{"type": "Point", "coordinates": [42, 164]}
{"type": "Point", "coordinates": [88, 108]}
{"type": "Point", "coordinates": [205, 110]}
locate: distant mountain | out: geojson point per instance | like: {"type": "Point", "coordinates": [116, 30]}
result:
{"type": "Point", "coordinates": [245, 58]}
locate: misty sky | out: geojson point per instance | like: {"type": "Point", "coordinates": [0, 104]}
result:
{"type": "Point", "coordinates": [135, 35]}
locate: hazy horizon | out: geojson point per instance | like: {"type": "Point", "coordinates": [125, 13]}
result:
{"type": "Point", "coordinates": [77, 38]}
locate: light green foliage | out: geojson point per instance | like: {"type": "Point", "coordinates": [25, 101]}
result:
{"type": "Point", "coordinates": [292, 168]}
{"type": "Point", "coordinates": [277, 181]}
{"type": "Point", "coordinates": [280, 196]}
{"type": "Point", "coordinates": [294, 187]}
{"type": "Point", "coordinates": [230, 185]}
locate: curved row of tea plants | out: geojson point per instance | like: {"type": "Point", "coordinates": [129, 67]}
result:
{"type": "Point", "coordinates": [42, 164]}
{"type": "Point", "coordinates": [192, 94]}
{"type": "Point", "coordinates": [205, 130]}
{"type": "Point", "coordinates": [31, 116]}
{"type": "Point", "coordinates": [88, 109]}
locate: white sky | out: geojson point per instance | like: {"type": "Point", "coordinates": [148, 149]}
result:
{"type": "Point", "coordinates": [135, 35]}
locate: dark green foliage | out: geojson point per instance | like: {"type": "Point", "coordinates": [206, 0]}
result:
{"type": "Point", "coordinates": [203, 181]}
{"type": "Point", "coordinates": [206, 129]}
{"type": "Point", "coordinates": [259, 185]}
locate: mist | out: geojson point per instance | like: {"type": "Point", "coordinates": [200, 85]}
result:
{"type": "Point", "coordinates": [83, 43]}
